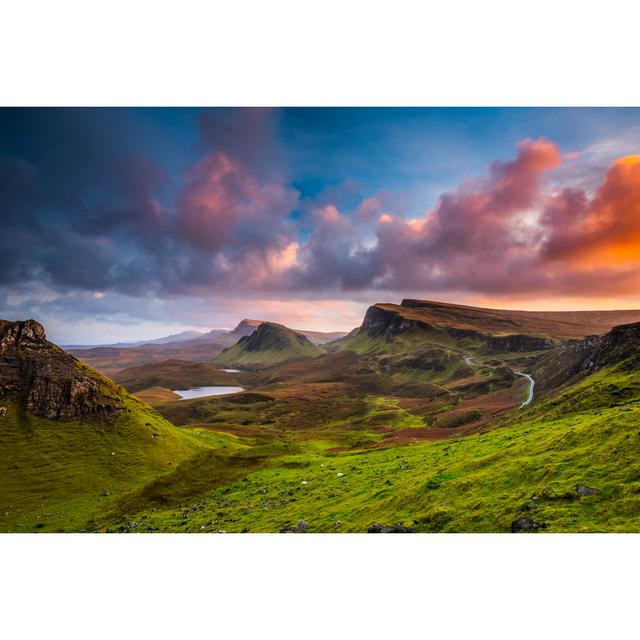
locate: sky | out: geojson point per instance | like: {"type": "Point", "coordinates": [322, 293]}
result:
{"type": "Point", "coordinates": [125, 224]}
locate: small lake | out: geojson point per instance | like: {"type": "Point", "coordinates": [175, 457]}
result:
{"type": "Point", "coordinates": [203, 392]}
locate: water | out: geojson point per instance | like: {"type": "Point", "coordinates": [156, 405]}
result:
{"type": "Point", "coordinates": [532, 381]}
{"type": "Point", "coordinates": [233, 370]}
{"type": "Point", "coordinates": [203, 392]}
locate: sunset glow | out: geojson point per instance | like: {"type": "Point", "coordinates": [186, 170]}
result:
{"type": "Point", "coordinates": [282, 213]}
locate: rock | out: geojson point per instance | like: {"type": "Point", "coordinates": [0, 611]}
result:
{"type": "Point", "coordinates": [583, 490]}
{"type": "Point", "coordinates": [339, 475]}
{"type": "Point", "coordinates": [49, 382]}
{"type": "Point", "coordinates": [380, 528]}
{"type": "Point", "coordinates": [302, 526]}
{"type": "Point", "coordinates": [3, 412]}
{"type": "Point", "coordinates": [518, 343]}
{"type": "Point", "coordinates": [522, 525]}
{"type": "Point", "coordinates": [528, 506]}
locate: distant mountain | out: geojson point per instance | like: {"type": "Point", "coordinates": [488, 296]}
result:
{"type": "Point", "coordinates": [269, 344]}
{"type": "Point", "coordinates": [110, 359]}
{"type": "Point", "coordinates": [175, 337]}
{"type": "Point", "coordinates": [322, 337]}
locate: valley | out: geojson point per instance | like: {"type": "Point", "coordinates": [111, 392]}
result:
{"type": "Point", "coordinates": [428, 417]}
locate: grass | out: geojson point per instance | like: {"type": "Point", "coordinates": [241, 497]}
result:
{"type": "Point", "coordinates": [56, 475]}
{"type": "Point", "coordinates": [473, 484]}
{"type": "Point", "coordinates": [340, 445]}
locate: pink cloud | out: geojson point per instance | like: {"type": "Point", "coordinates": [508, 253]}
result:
{"type": "Point", "coordinates": [222, 204]}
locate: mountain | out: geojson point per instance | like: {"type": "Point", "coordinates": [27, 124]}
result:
{"type": "Point", "coordinates": [72, 441]}
{"type": "Point", "coordinates": [174, 337]}
{"type": "Point", "coordinates": [269, 344]}
{"type": "Point", "coordinates": [479, 329]}
{"type": "Point", "coordinates": [421, 424]}
{"type": "Point", "coordinates": [322, 337]}
{"type": "Point", "coordinates": [246, 327]}
{"type": "Point", "coordinates": [112, 359]}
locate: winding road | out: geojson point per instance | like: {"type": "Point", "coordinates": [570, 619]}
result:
{"type": "Point", "coordinates": [532, 382]}
{"type": "Point", "coordinates": [531, 385]}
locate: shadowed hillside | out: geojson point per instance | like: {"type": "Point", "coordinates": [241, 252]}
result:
{"type": "Point", "coordinates": [270, 344]}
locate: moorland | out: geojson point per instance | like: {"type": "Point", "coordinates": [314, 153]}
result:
{"type": "Point", "coordinates": [428, 417]}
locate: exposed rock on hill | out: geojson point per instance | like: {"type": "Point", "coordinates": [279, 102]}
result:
{"type": "Point", "coordinates": [518, 343]}
{"type": "Point", "coordinates": [49, 382]}
{"type": "Point", "coordinates": [392, 320]}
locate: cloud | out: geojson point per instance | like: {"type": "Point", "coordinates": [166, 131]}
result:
{"type": "Point", "coordinates": [222, 205]}
{"type": "Point", "coordinates": [98, 223]}
{"type": "Point", "coordinates": [604, 229]}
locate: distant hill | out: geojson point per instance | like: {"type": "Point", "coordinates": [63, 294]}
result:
{"type": "Point", "coordinates": [269, 344]}
{"type": "Point", "coordinates": [174, 337]}
{"type": "Point", "coordinates": [203, 348]}
{"type": "Point", "coordinates": [173, 374]}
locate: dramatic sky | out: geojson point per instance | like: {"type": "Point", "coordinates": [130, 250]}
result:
{"type": "Point", "coordinates": [120, 224]}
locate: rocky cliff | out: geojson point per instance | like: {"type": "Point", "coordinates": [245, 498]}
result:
{"type": "Point", "coordinates": [49, 382]}
{"type": "Point", "coordinates": [381, 321]}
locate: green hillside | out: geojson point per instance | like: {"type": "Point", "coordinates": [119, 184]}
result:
{"type": "Point", "coordinates": [528, 467]}
{"type": "Point", "coordinates": [341, 442]}
{"type": "Point", "coordinates": [269, 344]}
{"type": "Point", "coordinates": [72, 441]}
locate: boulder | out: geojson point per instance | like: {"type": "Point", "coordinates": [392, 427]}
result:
{"type": "Point", "coordinates": [381, 528]}
{"type": "Point", "coordinates": [522, 525]}
{"type": "Point", "coordinates": [583, 490]}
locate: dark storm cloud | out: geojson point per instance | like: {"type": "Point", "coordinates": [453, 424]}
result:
{"type": "Point", "coordinates": [88, 207]}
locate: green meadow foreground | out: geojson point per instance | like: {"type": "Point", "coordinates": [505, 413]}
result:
{"type": "Point", "coordinates": [411, 422]}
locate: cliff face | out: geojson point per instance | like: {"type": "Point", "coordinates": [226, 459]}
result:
{"type": "Point", "coordinates": [381, 322]}
{"type": "Point", "coordinates": [620, 345]}
{"type": "Point", "coordinates": [518, 343]}
{"type": "Point", "coordinates": [390, 323]}
{"type": "Point", "coordinates": [49, 382]}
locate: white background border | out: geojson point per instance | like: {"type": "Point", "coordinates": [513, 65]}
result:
{"type": "Point", "coordinates": [319, 53]}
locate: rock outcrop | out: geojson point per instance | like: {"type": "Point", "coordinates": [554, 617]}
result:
{"type": "Point", "coordinates": [380, 321]}
{"type": "Point", "coordinates": [519, 343]}
{"type": "Point", "coordinates": [49, 382]}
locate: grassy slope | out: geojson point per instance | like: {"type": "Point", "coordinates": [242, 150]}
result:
{"type": "Point", "coordinates": [295, 347]}
{"type": "Point", "coordinates": [197, 479]}
{"type": "Point", "coordinates": [473, 484]}
{"type": "Point", "coordinates": [52, 473]}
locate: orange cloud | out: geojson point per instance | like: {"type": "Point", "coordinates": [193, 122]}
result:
{"type": "Point", "coordinates": [603, 231]}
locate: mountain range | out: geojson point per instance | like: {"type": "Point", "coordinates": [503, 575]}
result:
{"type": "Point", "coordinates": [427, 417]}
{"type": "Point", "coordinates": [110, 359]}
